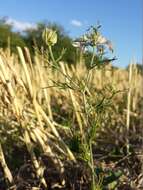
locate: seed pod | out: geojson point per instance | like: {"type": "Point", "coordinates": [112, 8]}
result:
{"type": "Point", "coordinates": [49, 37]}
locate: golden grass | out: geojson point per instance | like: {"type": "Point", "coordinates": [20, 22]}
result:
{"type": "Point", "coordinates": [25, 97]}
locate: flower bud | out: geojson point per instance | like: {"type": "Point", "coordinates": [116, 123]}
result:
{"type": "Point", "coordinates": [49, 37]}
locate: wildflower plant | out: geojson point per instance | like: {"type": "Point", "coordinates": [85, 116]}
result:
{"type": "Point", "coordinates": [90, 112]}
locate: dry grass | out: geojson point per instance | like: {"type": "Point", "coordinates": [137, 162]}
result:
{"type": "Point", "coordinates": [28, 95]}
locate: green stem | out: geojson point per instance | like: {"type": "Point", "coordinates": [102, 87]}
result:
{"type": "Point", "coordinates": [55, 66]}
{"type": "Point", "coordinates": [91, 64]}
{"type": "Point", "coordinates": [93, 56]}
{"type": "Point", "coordinates": [51, 54]}
{"type": "Point", "coordinates": [91, 165]}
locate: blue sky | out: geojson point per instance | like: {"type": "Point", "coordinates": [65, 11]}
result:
{"type": "Point", "coordinates": [121, 20]}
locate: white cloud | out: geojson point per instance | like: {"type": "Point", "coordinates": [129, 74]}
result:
{"type": "Point", "coordinates": [76, 23]}
{"type": "Point", "coordinates": [19, 25]}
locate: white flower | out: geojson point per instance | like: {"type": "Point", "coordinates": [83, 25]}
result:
{"type": "Point", "coordinates": [110, 46]}
{"type": "Point", "coordinates": [76, 44]}
{"type": "Point", "coordinates": [102, 40]}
